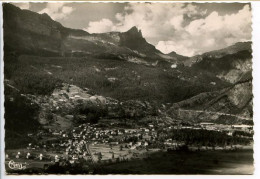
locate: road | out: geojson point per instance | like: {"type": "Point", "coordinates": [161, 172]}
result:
{"type": "Point", "coordinates": [89, 152]}
{"type": "Point", "coordinates": [215, 113]}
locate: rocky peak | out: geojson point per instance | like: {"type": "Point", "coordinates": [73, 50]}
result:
{"type": "Point", "coordinates": [134, 31]}
{"type": "Point", "coordinates": [134, 40]}
{"type": "Point", "coordinates": [45, 16]}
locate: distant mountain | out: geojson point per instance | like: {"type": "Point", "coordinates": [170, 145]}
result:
{"type": "Point", "coordinates": [229, 64]}
{"type": "Point", "coordinates": [27, 32]}
{"type": "Point", "coordinates": [177, 57]}
{"type": "Point", "coordinates": [237, 47]}
{"type": "Point", "coordinates": [230, 105]}
{"type": "Point", "coordinates": [216, 54]}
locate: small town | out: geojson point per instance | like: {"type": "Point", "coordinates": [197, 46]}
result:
{"type": "Point", "coordinates": [91, 144]}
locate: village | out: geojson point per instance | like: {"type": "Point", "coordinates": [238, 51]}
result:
{"type": "Point", "coordinates": [93, 144]}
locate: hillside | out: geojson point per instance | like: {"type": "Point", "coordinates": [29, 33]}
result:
{"type": "Point", "coordinates": [230, 105]}
{"type": "Point", "coordinates": [114, 78]}
{"type": "Point", "coordinates": [137, 70]}
{"type": "Point", "coordinates": [228, 64]}
{"type": "Point", "coordinates": [217, 54]}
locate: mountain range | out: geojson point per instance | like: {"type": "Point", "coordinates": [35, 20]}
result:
{"type": "Point", "coordinates": [42, 56]}
{"type": "Point", "coordinates": [33, 33]}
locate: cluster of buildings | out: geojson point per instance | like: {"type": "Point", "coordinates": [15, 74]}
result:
{"type": "Point", "coordinates": [75, 145]}
{"type": "Point", "coordinates": [229, 129]}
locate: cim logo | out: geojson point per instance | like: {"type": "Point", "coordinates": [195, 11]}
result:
{"type": "Point", "coordinates": [16, 165]}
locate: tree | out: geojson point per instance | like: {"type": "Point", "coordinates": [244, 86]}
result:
{"type": "Point", "coordinates": [113, 155]}
{"type": "Point", "coordinates": [99, 156]}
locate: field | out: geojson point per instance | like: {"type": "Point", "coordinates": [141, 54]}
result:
{"type": "Point", "coordinates": [206, 162]}
{"type": "Point", "coordinates": [124, 153]}
{"type": "Point", "coordinates": [107, 151]}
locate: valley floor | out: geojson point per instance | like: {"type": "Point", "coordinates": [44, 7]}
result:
{"type": "Point", "coordinates": [204, 162]}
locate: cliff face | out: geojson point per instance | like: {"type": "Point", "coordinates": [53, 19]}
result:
{"type": "Point", "coordinates": [133, 39]}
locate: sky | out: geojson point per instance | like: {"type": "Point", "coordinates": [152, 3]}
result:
{"type": "Point", "coordinates": [187, 28]}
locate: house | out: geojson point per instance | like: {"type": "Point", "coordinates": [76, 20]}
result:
{"type": "Point", "coordinates": [186, 127]}
{"type": "Point", "coordinates": [146, 130]}
{"type": "Point", "coordinates": [168, 143]}
{"type": "Point", "coordinates": [77, 96]}
{"type": "Point", "coordinates": [150, 125]}
{"type": "Point", "coordinates": [133, 147]}
{"type": "Point", "coordinates": [114, 143]}
{"type": "Point", "coordinates": [230, 133]}
{"type": "Point", "coordinates": [174, 66]}
{"type": "Point", "coordinates": [206, 124]}
{"type": "Point", "coordinates": [138, 143]}
{"type": "Point", "coordinates": [147, 137]}
{"type": "Point", "coordinates": [242, 127]}
{"type": "Point", "coordinates": [55, 133]}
